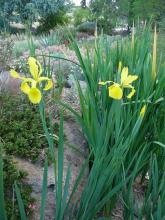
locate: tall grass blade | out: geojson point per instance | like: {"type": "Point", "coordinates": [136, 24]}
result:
{"type": "Point", "coordinates": [44, 191]}
{"type": "Point", "coordinates": [154, 55]}
{"type": "Point", "coordinates": [20, 203]}
{"type": "Point", "coordinates": [60, 170]}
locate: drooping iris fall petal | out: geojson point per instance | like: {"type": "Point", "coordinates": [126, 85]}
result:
{"type": "Point", "coordinates": [49, 85]}
{"type": "Point", "coordinates": [25, 87]}
{"type": "Point", "coordinates": [129, 96]}
{"type": "Point", "coordinates": [115, 91]}
{"type": "Point", "coordinates": [35, 95]}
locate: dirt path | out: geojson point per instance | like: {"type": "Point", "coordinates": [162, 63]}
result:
{"type": "Point", "coordinates": [71, 156]}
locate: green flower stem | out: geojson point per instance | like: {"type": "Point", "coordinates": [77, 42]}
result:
{"type": "Point", "coordinates": [49, 135]}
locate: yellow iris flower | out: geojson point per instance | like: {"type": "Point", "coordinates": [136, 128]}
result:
{"type": "Point", "coordinates": [30, 85]}
{"type": "Point", "coordinates": [116, 89]}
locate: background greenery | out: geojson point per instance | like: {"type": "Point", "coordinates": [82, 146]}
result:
{"type": "Point", "coordinates": [107, 13]}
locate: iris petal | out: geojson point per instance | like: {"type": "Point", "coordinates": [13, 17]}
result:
{"type": "Point", "coordinates": [25, 87]}
{"type": "Point", "coordinates": [115, 91]}
{"type": "Point", "coordinates": [49, 85]}
{"type": "Point", "coordinates": [124, 74]}
{"type": "Point", "coordinates": [35, 95]}
{"type": "Point", "coordinates": [43, 79]}
{"type": "Point", "coordinates": [129, 80]}
{"type": "Point", "coordinates": [129, 96]}
{"type": "Point", "coordinates": [126, 79]}
{"type": "Point", "coordinates": [30, 80]}
{"type": "Point", "coordinates": [35, 67]}
{"type": "Point", "coordinates": [14, 74]}
{"type": "Point", "coordinates": [34, 84]}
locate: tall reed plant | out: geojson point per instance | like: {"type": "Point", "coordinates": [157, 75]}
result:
{"type": "Point", "coordinates": [124, 125]}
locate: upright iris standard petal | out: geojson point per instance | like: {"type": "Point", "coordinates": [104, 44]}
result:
{"type": "Point", "coordinates": [35, 95]}
{"type": "Point", "coordinates": [115, 91]}
{"type": "Point", "coordinates": [126, 79]}
{"type": "Point", "coordinates": [124, 74]}
{"type": "Point", "coordinates": [35, 68]}
{"type": "Point", "coordinates": [129, 80]}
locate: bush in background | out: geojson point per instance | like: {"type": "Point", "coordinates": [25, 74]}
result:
{"type": "Point", "coordinates": [81, 15]}
{"type": "Point", "coordinates": [6, 46]}
{"type": "Point", "coordinates": [105, 14]}
{"type": "Point", "coordinates": [87, 27]}
{"type": "Point", "coordinates": [51, 21]}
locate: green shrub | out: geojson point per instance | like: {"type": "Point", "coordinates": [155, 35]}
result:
{"type": "Point", "coordinates": [106, 25]}
{"type": "Point", "coordinates": [51, 21]}
{"type": "Point", "coordinates": [20, 128]}
{"type": "Point", "coordinates": [49, 39]}
{"type": "Point", "coordinates": [87, 27]}
{"type": "Point", "coordinates": [81, 15]}
{"type": "Point", "coordinates": [105, 14]}
{"type": "Point", "coordinates": [58, 35]}
{"type": "Point", "coordinates": [6, 46]}
{"type": "Point", "coordinates": [22, 46]}
{"type": "Point", "coordinates": [62, 33]}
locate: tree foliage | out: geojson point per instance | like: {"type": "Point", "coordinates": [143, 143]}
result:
{"type": "Point", "coordinates": [82, 15]}
{"type": "Point", "coordinates": [148, 9]}
{"type": "Point", "coordinates": [104, 12]}
{"type": "Point", "coordinates": [108, 12]}
{"type": "Point", "coordinates": [30, 10]}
